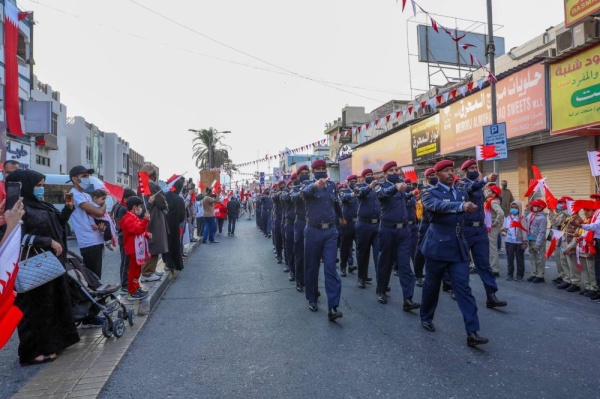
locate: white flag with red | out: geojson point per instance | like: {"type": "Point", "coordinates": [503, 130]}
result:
{"type": "Point", "coordinates": [10, 315]}
{"type": "Point", "coordinates": [594, 158]}
{"type": "Point", "coordinates": [216, 187]}
{"type": "Point", "coordinates": [485, 152]}
{"type": "Point", "coordinates": [409, 173]}
{"type": "Point", "coordinates": [556, 236]}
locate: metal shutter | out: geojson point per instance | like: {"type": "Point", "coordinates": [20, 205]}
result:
{"type": "Point", "coordinates": [508, 171]}
{"type": "Point", "coordinates": [565, 166]}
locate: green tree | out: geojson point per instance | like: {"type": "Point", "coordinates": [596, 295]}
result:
{"type": "Point", "coordinates": [208, 148]}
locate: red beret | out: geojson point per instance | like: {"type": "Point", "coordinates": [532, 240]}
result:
{"type": "Point", "coordinates": [496, 190]}
{"type": "Point", "coordinates": [538, 202]}
{"type": "Point", "coordinates": [319, 163]}
{"type": "Point", "coordinates": [565, 199]}
{"type": "Point", "coordinates": [301, 168]}
{"type": "Point", "coordinates": [366, 171]}
{"type": "Point", "coordinates": [391, 164]}
{"type": "Point", "coordinates": [429, 172]}
{"type": "Point", "coordinates": [294, 176]}
{"type": "Point", "coordinates": [443, 164]}
{"type": "Point", "coordinates": [407, 181]}
{"type": "Point", "coordinates": [281, 183]}
{"type": "Point", "coordinates": [351, 177]}
{"type": "Point", "coordinates": [595, 196]}
{"type": "Point", "coordinates": [468, 164]}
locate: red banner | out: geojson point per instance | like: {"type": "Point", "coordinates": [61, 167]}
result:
{"type": "Point", "coordinates": [11, 68]}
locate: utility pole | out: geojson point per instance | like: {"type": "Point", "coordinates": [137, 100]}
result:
{"type": "Point", "coordinates": [491, 53]}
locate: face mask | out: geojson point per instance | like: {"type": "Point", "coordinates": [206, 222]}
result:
{"type": "Point", "coordinates": [560, 207]}
{"type": "Point", "coordinates": [138, 211]}
{"type": "Point", "coordinates": [84, 182]}
{"type": "Point", "coordinates": [296, 182]}
{"type": "Point", "coordinates": [409, 189]}
{"type": "Point", "coordinates": [38, 192]}
{"type": "Point", "coordinates": [369, 180]}
{"type": "Point", "coordinates": [504, 186]}
{"type": "Point", "coordinates": [304, 177]}
{"type": "Point", "coordinates": [320, 175]}
{"type": "Point", "coordinates": [351, 185]}
{"type": "Point", "coordinates": [473, 175]}
{"type": "Point", "coordinates": [514, 211]}
{"type": "Point", "coordinates": [393, 178]}
{"type": "Point", "coordinates": [535, 209]}
{"type": "Point", "coordinates": [433, 181]}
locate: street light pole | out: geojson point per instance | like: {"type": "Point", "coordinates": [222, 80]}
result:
{"type": "Point", "coordinates": [491, 53]}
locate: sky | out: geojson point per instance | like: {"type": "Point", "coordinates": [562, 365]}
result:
{"type": "Point", "coordinates": [272, 72]}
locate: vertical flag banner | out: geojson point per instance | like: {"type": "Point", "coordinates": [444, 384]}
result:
{"type": "Point", "coordinates": [594, 158]}
{"type": "Point", "coordinates": [10, 315]}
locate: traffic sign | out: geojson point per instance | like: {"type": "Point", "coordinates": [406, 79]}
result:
{"type": "Point", "coordinates": [496, 135]}
{"type": "Point", "coordinates": [262, 178]}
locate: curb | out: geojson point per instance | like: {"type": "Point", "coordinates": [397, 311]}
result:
{"type": "Point", "coordinates": [84, 368]}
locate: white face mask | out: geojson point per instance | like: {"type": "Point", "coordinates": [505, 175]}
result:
{"type": "Point", "coordinates": [84, 182]}
{"type": "Point", "coordinates": [138, 211]}
{"type": "Point", "coordinates": [535, 209]}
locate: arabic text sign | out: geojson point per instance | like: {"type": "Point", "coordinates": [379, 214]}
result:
{"type": "Point", "coordinates": [521, 103]}
{"type": "Point", "coordinates": [576, 10]}
{"type": "Point", "coordinates": [425, 139]}
{"type": "Point", "coordinates": [575, 91]}
{"type": "Point", "coordinates": [496, 135]}
{"type": "Point", "coordinates": [395, 147]}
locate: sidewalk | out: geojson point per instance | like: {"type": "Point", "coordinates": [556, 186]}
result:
{"type": "Point", "coordinates": [83, 369]}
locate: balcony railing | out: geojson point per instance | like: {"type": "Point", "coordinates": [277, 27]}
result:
{"type": "Point", "coordinates": [51, 141]}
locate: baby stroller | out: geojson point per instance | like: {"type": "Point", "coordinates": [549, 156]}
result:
{"type": "Point", "coordinates": [89, 296]}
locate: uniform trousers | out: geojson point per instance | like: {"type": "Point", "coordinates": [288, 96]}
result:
{"type": "Point", "coordinates": [574, 272]}
{"type": "Point", "coordinates": [278, 239]}
{"type": "Point", "coordinates": [266, 221]}
{"type": "Point", "coordinates": [479, 247]}
{"type": "Point", "coordinates": [493, 244]}
{"type": "Point", "coordinates": [299, 226]}
{"type": "Point", "coordinates": [394, 248]}
{"type": "Point", "coordinates": [288, 235]}
{"type": "Point", "coordinates": [561, 263]}
{"type": "Point", "coordinates": [414, 239]}
{"type": "Point", "coordinates": [321, 243]}
{"type": "Point", "coordinates": [367, 239]}
{"type": "Point", "coordinates": [459, 276]}
{"type": "Point", "coordinates": [347, 233]}
{"type": "Point", "coordinates": [537, 259]}
{"type": "Point", "coordinates": [588, 272]}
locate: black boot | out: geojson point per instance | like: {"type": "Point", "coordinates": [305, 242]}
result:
{"type": "Point", "coordinates": [474, 339]}
{"type": "Point", "coordinates": [494, 302]}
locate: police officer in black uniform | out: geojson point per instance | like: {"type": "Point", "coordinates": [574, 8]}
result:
{"type": "Point", "coordinates": [367, 226]}
{"type": "Point", "coordinates": [445, 249]}
{"type": "Point", "coordinates": [349, 210]}
{"type": "Point", "coordinates": [289, 217]}
{"type": "Point", "coordinates": [299, 224]}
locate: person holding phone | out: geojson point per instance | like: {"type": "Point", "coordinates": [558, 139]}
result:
{"type": "Point", "coordinates": [47, 326]}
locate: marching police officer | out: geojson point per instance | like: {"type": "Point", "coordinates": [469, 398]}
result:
{"type": "Point", "coordinates": [367, 226]}
{"type": "Point", "coordinates": [432, 180]}
{"type": "Point", "coordinates": [445, 249]}
{"type": "Point", "coordinates": [349, 211]}
{"type": "Point", "coordinates": [266, 206]}
{"type": "Point", "coordinates": [289, 217]}
{"type": "Point", "coordinates": [476, 233]}
{"type": "Point", "coordinates": [277, 219]}
{"type": "Point", "coordinates": [320, 238]}
{"type": "Point", "coordinates": [299, 225]}
{"type": "Point", "coordinates": [394, 237]}
{"type": "Point", "coordinates": [411, 209]}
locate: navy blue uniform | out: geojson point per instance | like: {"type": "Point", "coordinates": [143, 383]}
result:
{"type": "Point", "coordinates": [349, 211]}
{"type": "Point", "coordinates": [394, 240]}
{"type": "Point", "coordinates": [419, 261]}
{"type": "Point", "coordinates": [266, 207]}
{"type": "Point", "coordinates": [258, 213]}
{"type": "Point", "coordinates": [411, 209]}
{"type": "Point", "coordinates": [299, 225]}
{"type": "Point", "coordinates": [289, 217]}
{"type": "Point", "coordinates": [367, 228]}
{"type": "Point", "coordinates": [277, 219]}
{"type": "Point", "coordinates": [320, 241]}
{"type": "Point", "coordinates": [445, 249]}
{"type": "Point", "coordinates": [476, 233]}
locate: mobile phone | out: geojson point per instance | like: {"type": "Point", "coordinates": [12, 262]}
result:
{"type": "Point", "coordinates": [13, 193]}
{"type": "Point", "coordinates": [68, 197]}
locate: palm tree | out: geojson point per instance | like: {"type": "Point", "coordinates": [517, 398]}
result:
{"type": "Point", "coordinates": [209, 151]}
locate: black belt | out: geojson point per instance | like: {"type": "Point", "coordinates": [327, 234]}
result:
{"type": "Point", "coordinates": [393, 225]}
{"type": "Point", "coordinates": [322, 226]}
{"type": "Point", "coordinates": [300, 219]}
{"type": "Point", "coordinates": [352, 219]}
{"type": "Point", "coordinates": [368, 220]}
{"type": "Point", "coordinates": [474, 224]}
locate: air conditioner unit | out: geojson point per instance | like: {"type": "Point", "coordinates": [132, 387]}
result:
{"type": "Point", "coordinates": [564, 41]}
{"type": "Point", "coordinates": [586, 32]}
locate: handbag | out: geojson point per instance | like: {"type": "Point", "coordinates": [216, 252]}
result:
{"type": "Point", "coordinates": [37, 270]}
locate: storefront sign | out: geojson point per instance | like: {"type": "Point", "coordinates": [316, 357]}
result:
{"type": "Point", "coordinates": [576, 10]}
{"type": "Point", "coordinates": [425, 139]}
{"type": "Point", "coordinates": [520, 103]}
{"type": "Point", "coordinates": [395, 147]}
{"type": "Point", "coordinates": [575, 91]}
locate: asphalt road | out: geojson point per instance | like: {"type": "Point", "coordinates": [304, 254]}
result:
{"type": "Point", "coordinates": [12, 375]}
{"type": "Point", "coordinates": [232, 326]}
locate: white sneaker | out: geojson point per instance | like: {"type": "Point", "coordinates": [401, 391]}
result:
{"type": "Point", "coordinates": [154, 277]}
{"type": "Point", "coordinates": [159, 274]}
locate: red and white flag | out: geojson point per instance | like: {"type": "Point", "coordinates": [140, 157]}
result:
{"type": "Point", "coordinates": [12, 16]}
{"type": "Point", "coordinates": [538, 183]}
{"type": "Point", "coordinates": [114, 190]}
{"type": "Point", "coordinates": [594, 158]}
{"type": "Point", "coordinates": [485, 152]}
{"type": "Point", "coordinates": [144, 183]}
{"type": "Point", "coordinates": [10, 315]}
{"type": "Point", "coordinates": [409, 173]}
{"type": "Point", "coordinates": [556, 236]}
{"type": "Point", "coordinates": [216, 187]}
{"type": "Point", "coordinates": [142, 252]}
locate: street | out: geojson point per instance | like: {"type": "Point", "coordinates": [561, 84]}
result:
{"type": "Point", "coordinates": [12, 375]}
{"type": "Point", "coordinates": [233, 326]}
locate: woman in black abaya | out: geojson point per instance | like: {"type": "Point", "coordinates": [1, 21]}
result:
{"type": "Point", "coordinates": [175, 218]}
{"type": "Point", "coordinates": [47, 326]}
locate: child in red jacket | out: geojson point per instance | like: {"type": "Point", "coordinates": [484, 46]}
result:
{"type": "Point", "coordinates": [133, 227]}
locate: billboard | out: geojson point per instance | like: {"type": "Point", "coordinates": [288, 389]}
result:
{"type": "Point", "coordinates": [441, 48]}
{"type": "Point", "coordinates": [576, 10]}
{"type": "Point", "coordinates": [521, 103]}
{"type": "Point", "coordinates": [425, 139]}
{"type": "Point", "coordinates": [395, 147]}
{"type": "Point", "coordinates": [575, 91]}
